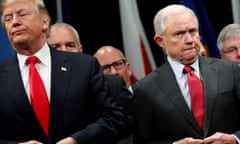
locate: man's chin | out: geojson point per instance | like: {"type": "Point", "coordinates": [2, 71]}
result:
{"type": "Point", "coordinates": [18, 40]}
{"type": "Point", "coordinates": [190, 60]}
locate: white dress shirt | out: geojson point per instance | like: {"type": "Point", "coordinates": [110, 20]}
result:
{"type": "Point", "coordinates": [44, 69]}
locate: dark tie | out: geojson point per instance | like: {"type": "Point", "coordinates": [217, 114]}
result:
{"type": "Point", "coordinates": [196, 94]}
{"type": "Point", "coordinates": [38, 94]}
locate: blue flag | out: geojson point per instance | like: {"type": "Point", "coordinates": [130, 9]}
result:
{"type": "Point", "coordinates": [6, 49]}
{"type": "Point", "coordinates": [206, 30]}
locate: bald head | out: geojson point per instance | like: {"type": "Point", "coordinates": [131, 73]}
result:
{"type": "Point", "coordinates": [107, 53]}
{"type": "Point", "coordinates": [114, 62]}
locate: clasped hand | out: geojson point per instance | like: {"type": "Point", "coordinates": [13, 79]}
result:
{"type": "Point", "coordinates": [217, 138]}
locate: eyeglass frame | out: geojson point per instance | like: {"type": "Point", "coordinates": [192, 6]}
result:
{"type": "Point", "coordinates": [117, 65]}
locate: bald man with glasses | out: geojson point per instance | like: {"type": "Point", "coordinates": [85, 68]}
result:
{"type": "Point", "coordinates": [113, 62]}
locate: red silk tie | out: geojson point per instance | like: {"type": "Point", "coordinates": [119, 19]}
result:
{"type": "Point", "coordinates": [196, 94]}
{"type": "Point", "coordinates": [38, 95]}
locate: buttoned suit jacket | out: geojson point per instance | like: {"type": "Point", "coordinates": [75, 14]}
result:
{"type": "Point", "coordinates": [162, 115]}
{"type": "Point", "coordinates": [80, 105]}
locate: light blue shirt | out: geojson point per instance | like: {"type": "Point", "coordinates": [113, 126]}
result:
{"type": "Point", "coordinates": [182, 78]}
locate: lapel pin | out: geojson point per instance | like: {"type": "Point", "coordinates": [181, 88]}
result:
{"type": "Point", "coordinates": [63, 69]}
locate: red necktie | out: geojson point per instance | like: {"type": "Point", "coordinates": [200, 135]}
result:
{"type": "Point", "coordinates": [38, 95]}
{"type": "Point", "coordinates": [196, 94]}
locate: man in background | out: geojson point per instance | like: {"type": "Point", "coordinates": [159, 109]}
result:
{"type": "Point", "coordinates": [228, 42]}
{"type": "Point", "coordinates": [114, 62]}
{"type": "Point", "coordinates": [64, 37]}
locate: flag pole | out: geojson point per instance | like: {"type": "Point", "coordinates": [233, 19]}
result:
{"type": "Point", "coordinates": [59, 11]}
{"type": "Point", "coordinates": [135, 43]}
{"type": "Point", "coordinates": [235, 11]}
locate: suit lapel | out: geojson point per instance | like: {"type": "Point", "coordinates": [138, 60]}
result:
{"type": "Point", "coordinates": [209, 75]}
{"type": "Point", "coordinates": [59, 85]}
{"type": "Point", "coordinates": [14, 85]}
{"type": "Point", "coordinates": [169, 86]}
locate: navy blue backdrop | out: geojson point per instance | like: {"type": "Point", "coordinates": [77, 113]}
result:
{"type": "Point", "coordinates": [5, 47]}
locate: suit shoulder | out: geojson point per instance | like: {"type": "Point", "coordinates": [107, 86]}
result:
{"type": "Point", "coordinates": [75, 56]}
{"type": "Point", "coordinates": [217, 61]}
{"type": "Point", "coordinates": [148, 78]}
{"type": "Point", "coordinates": [113, 77]}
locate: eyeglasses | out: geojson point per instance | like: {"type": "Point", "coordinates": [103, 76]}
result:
{"type": "Point", "coordinates": [117, 65]}
{"type": "Point", "coordinates": [232, 50]}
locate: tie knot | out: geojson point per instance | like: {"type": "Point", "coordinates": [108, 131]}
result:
{"type": "Point", "coordinates": [187, 69]}
{"type": "Point", "coordinates": [32, 60]}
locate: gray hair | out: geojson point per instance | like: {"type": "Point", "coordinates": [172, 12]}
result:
{"type": "Point", "coordinates": [161, 16]}
{"type": "Point", "coordinates": [228, 31]}
{"type": "Point", "coordinates": [62, 24]}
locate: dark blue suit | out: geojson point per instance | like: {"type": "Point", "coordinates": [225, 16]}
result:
{"type": "Point", "coordinates": [80, 105]}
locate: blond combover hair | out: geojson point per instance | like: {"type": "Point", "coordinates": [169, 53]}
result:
{"type": "Point", "coordinates": [39, 6]}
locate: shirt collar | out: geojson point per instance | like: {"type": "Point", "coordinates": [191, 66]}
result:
{"type": "Point", "coordinates": [43, 55]}
{"type": "Point", "coordinates": [178, 67]}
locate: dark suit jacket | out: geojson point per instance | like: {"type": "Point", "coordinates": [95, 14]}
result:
{"type": "Point", "coordinates": [80, 105]}
{"type": "Point", "coordinates": [117, 88]}
{"type": "Point", "coordinates": [162, 116]}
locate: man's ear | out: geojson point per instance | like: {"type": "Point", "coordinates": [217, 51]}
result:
{"type": "Point", "coordinates": [46, 24]}
{"type": "Point", "coordinates": [159, 40]}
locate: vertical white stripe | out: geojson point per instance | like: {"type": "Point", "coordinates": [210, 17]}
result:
{"type": "Point", "coordinates": [236, 11]}
{"type": "Point", "coordinates": [132, 30]}
{"type": "Point", "coordinates": [143, 35]}
{"type": "Point", "coordinates": [59, 10]}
